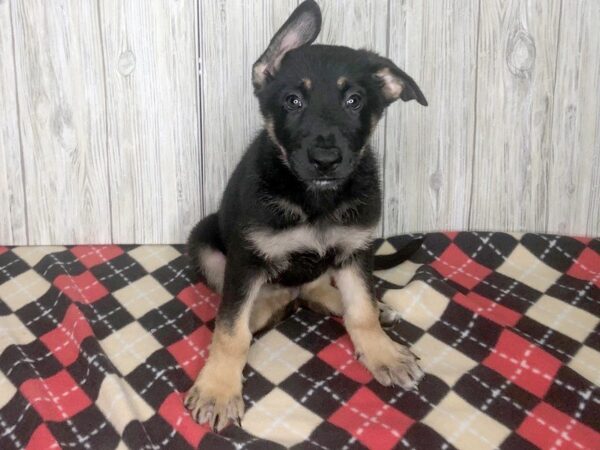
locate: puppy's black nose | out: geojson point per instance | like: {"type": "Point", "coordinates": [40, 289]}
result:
{"type": "Point", "coordinates": [325, 159]}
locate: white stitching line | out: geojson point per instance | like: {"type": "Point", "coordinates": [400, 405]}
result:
{"type": "Point", "coordinates": [564, 435]}
{"type": "Point", "coordinates": [531, 346]}
{"type": "Point", "coordinates": [506, 258]}
{"type": "Point", "coordinates": [22, 288]}
{"type": "Point", "coordinates": [465, 333]}
{"type": "Point", "coordinates": [58, 324]}
{"type": "Point", "coordinates": [140, 294]}
{"type": "Point", "coordinates": [309, 329]}
{"type": "Point", "coordinates": [313, 328]}
{"type": "Point", "coordinates": [145, 363]}
{"type": "Point", "coordinates": [274, 356]}
{"type": "Point", "coordinates": [323, 385]}
{"type": "Point", "coordinates": [483, 281]}
{"type": "Point", "coordinates": [47, 387]}
{"type": "Point", "coordinates": [507, 381]}
{"type": "Point", "coordinates": [429, 280]}
{"type": "Point", "coordinates": [582, 403]}
{"type": "Point", "coordinates": [337, 371]}
{"type": "Point", "coordinates": [84, 381]}
{"type": "Point", "coordinates": [181, 273]}
{"type": "Point", "coordinates": [511, 401]}
{"type": "Point", "coordinates": [464, 426]}
{"type": "Point", "coordinates": [91, 360]}
{"type": "Point", "coordinates": [13, 437]}
{"type": "Point", "coordinates": [580, 295]}
{"type": "Point", "coordinates": [386, 405]}
{"type": "Point", "coordinates": [488, 309]}
{"type": "Point", "coordinates": [502, 354]}
{"type": "Point", "coordinates": [504, 294]}
{"type": "Point", "coordinates": [44, 273]}
{"type": "Point", "coordinates": [14, 261]}
{"type": "Point", "coordinates": [571, 257]}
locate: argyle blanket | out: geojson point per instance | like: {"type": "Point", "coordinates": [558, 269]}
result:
{"type": "Point", "coordinates": [99, 343]}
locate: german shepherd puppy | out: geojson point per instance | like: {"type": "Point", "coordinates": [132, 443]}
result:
{"type": "Point", "coordinates": [300, 209]}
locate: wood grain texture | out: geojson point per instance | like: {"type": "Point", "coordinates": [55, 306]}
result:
{"type": "Point", "coordinates": [513, 141]}
{"type": "Point", "coordinates": [13, 227]}
{"type": "Point", "coordinates": [151, 96]}
{"type": "Point", "coordinates": [234, 33]}
{"type": "Point", "coordinates": [574, 162]}
{"type": "Point", "coordinates": [62, 120]}
{"type": "Point", "coordinates": [358, 24]}
{"type": "Point", "coordinates": [429, 151]}
{"type": "Point", "coordinates": [122, 121]}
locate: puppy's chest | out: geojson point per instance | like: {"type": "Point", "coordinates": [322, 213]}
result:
{"type": "Point", "coordinates": [336, 241]}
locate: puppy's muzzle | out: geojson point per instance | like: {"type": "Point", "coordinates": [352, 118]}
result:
{"type": "Point", "coordinates": [325, 160]}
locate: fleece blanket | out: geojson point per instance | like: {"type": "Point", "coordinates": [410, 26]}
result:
{"type": "Point", "coordinates": [99, 343]}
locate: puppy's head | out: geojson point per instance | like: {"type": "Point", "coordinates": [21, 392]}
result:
{"type": "Point", "coordinates": [321, 103]}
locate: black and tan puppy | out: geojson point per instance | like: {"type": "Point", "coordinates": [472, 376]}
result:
{"type": "Point", "coordinates": [300, 208]}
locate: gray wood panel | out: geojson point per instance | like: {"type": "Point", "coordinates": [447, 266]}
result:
{"type": "Point", "coordinates": [13, 227]}
{"type": "Point", "coordinates": [62, 120]}
{"type": "Point", "coordinates": [233, 34]}
{"type": "Point", "coordinates": [513, 141]}
{"type": "Point", "coordinates": [122, 121]}
{"type": "Point", "coordinates": [574, 161]}
{"type": "Point", "coordinates": [150, 56]}
{"type": "Point", "coordinates": [429, 151]}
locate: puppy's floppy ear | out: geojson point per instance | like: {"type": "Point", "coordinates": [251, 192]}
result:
{"type": "Point", "coordinates": [301, 28]}
{"type": "Point", "coordinates": [394, 83]}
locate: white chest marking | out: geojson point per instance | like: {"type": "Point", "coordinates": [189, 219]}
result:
{"type": "Point", "coordinates": [275, 245]}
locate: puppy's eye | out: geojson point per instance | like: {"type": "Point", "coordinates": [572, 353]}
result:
{"type": "Point", "coordinates": [293, 103]}
{"type": "Point", "coordinates": [354, 102]}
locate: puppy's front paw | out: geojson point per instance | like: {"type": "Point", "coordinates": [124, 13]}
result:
{"type": "Point", "coordinates": [215, 405]}
{"type": "Point", "coordinates": [388, 316]}
{"type": "Point", "coordinates": [392, 364]}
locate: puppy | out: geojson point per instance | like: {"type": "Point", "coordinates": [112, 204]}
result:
{"type": "Point", "coordinates": [300, 208]}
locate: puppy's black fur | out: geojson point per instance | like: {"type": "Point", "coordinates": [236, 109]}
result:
{"type": "Point", "coordinates": [284, 170]}
{"type": "Point", "coordinates": [310, 172]}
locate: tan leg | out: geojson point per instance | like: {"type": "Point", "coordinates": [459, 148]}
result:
{"type": "Point", "coordinates": [216, 395]}
{"type": "Point", "coordinates": [389, 362]}
{"type": "Point", "coordinates": [320, 296]}
{"type": "Point", "coordinates": [270, 306]}
{"type": "Point", "coordinates": [212, 265]}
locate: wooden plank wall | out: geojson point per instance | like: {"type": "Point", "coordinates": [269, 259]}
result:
{"type": "Point", "coordinates": [121, 121]}
{"type": "Point", "coordinates": [13, 224]}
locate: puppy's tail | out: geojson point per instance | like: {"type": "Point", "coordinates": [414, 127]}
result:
{"type": "Point", "coordinates": [383, 262]}
{"type": "Point", "coordinates": [206, 250]}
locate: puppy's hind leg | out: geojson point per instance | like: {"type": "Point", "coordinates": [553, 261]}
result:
{"type": "Point", "coordinates": [273, 304]}
{"type": "Point", "coordinates": [321, 297]}
{"type": "Point", "coordinates": [205, 248]}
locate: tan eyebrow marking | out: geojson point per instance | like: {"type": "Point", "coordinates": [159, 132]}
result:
{"type": "Point", "coordinates": [307, 83]}
{"type": "Point", "coordinates": [341, 82]}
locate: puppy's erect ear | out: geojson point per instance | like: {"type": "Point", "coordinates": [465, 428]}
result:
{"type": "Point", "coordinates": [301, 28]}
{"type": "Point", "coordinates": [394, 83]}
